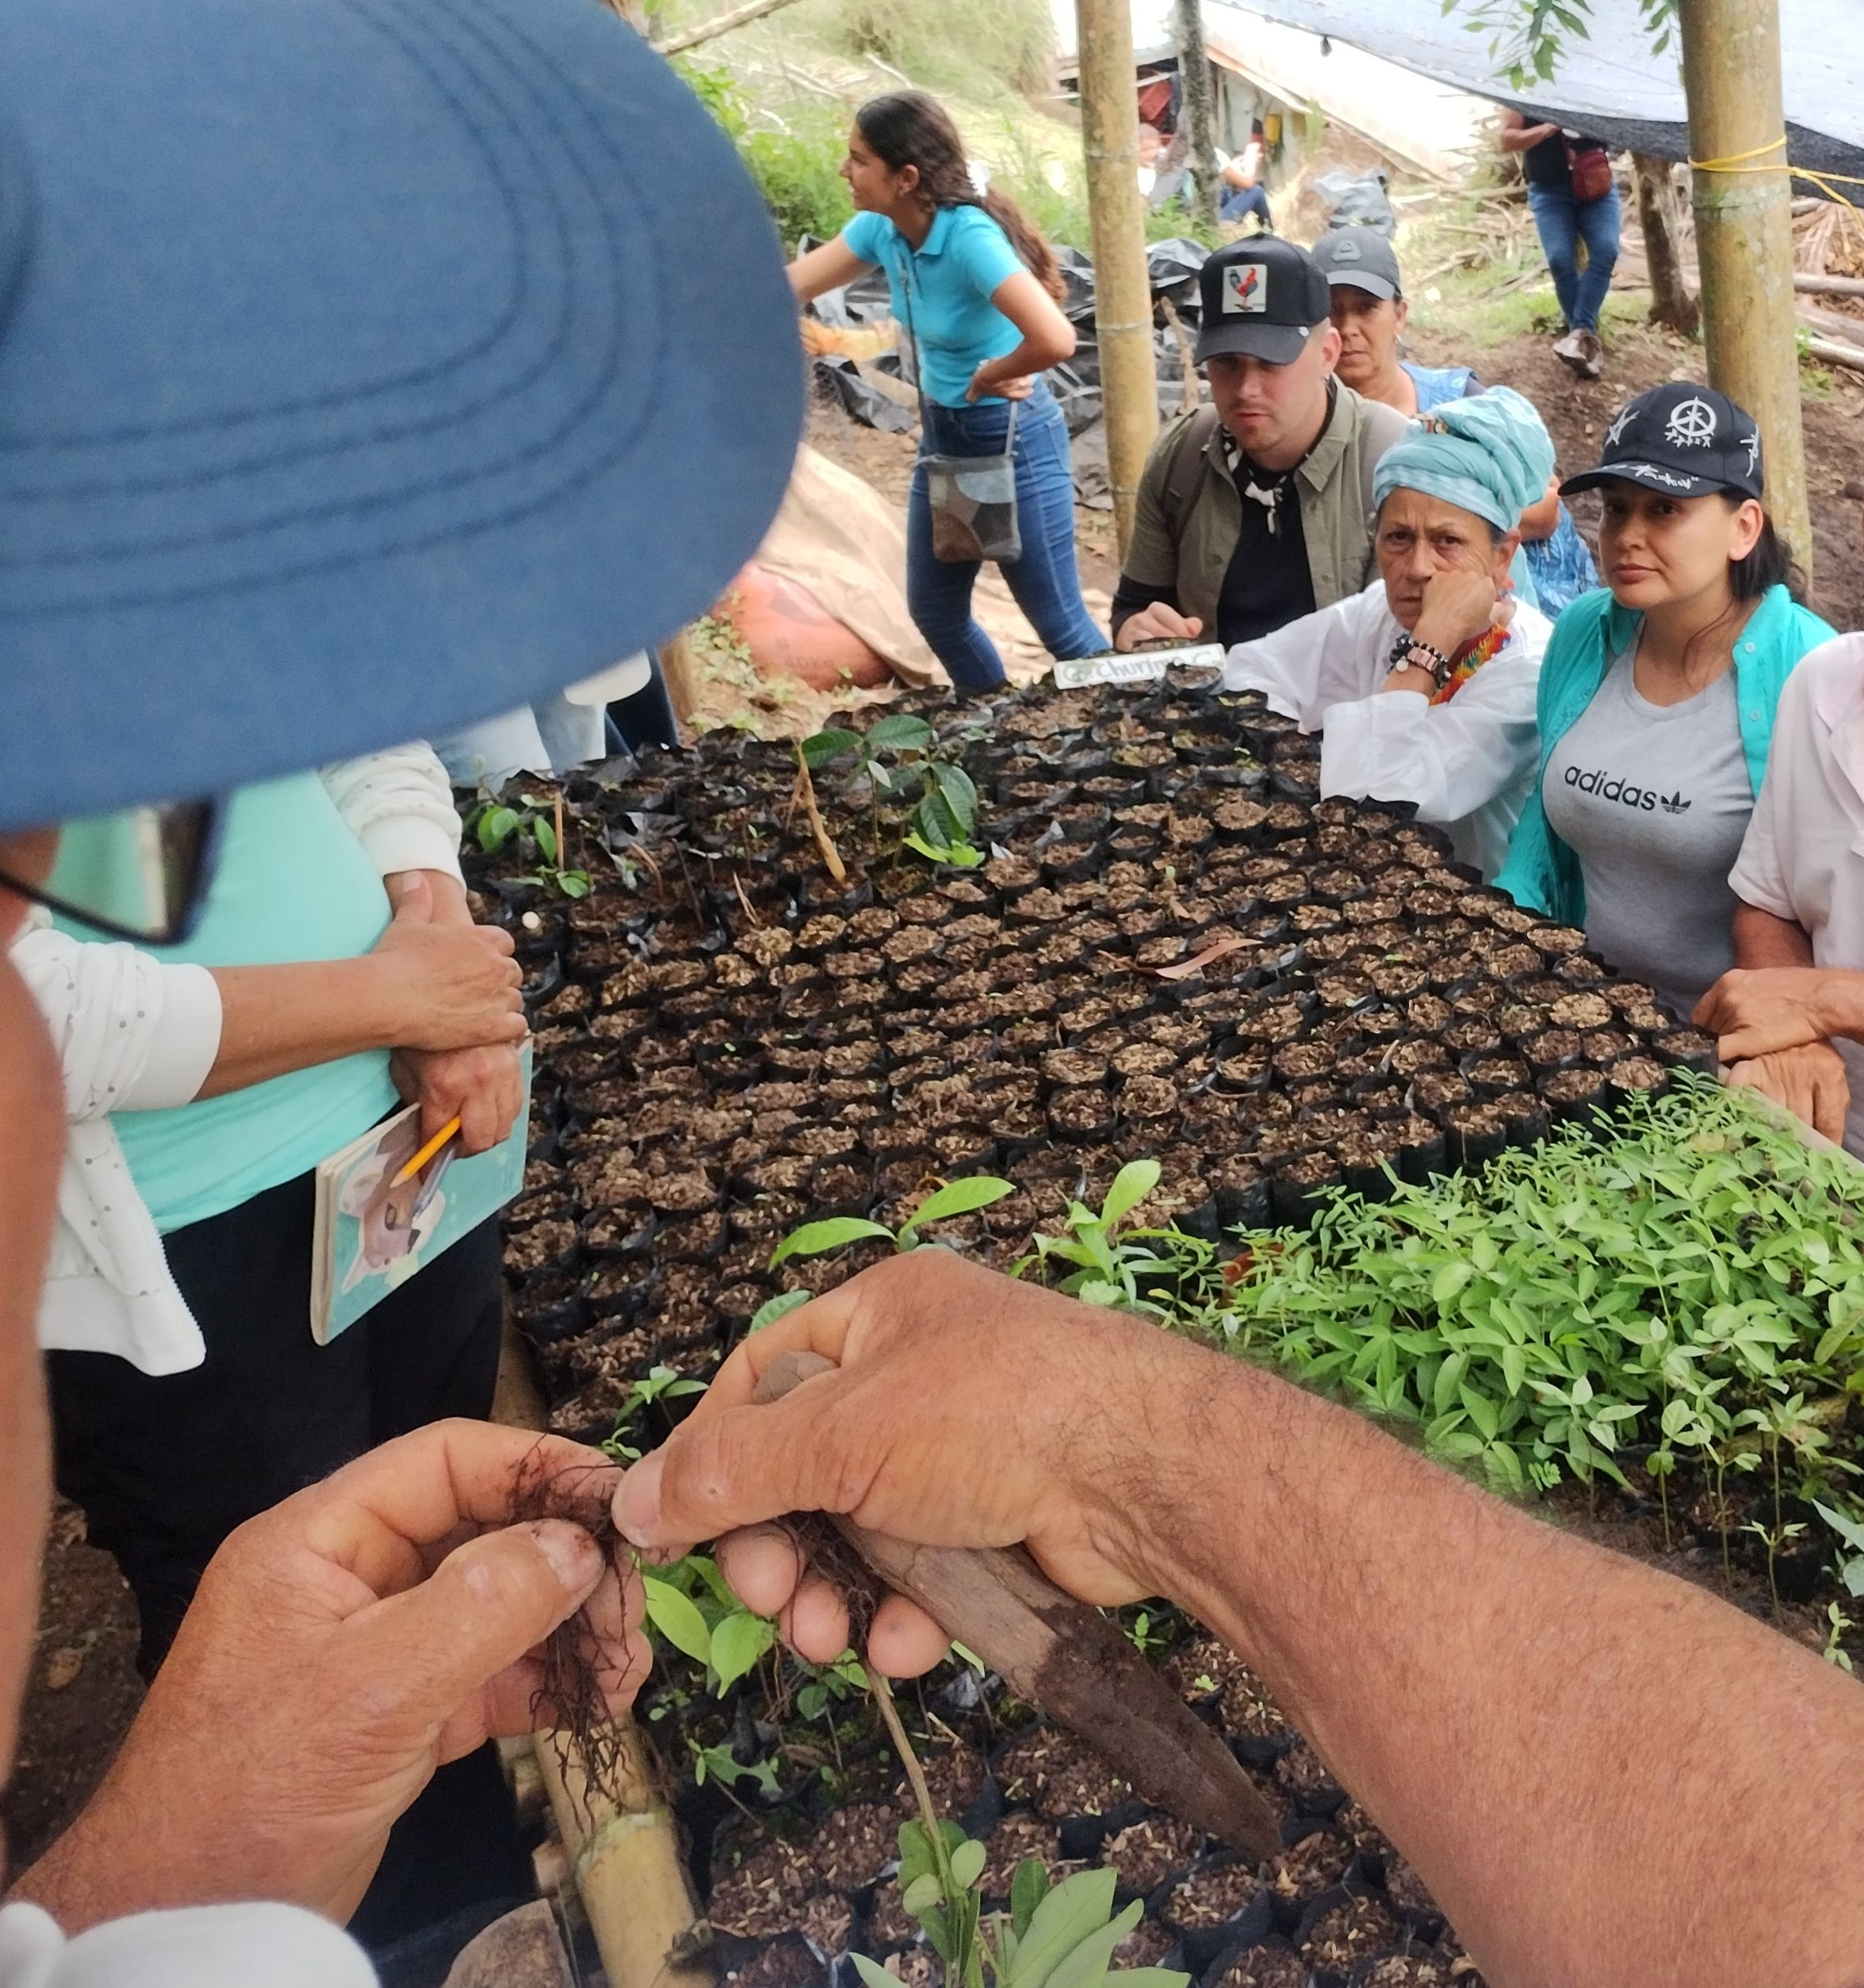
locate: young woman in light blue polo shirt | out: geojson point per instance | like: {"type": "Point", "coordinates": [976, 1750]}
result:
{"type": "Point", "coordinates": [978, 288]}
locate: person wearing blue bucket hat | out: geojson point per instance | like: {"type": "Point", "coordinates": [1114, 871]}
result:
{"type": "Point", "coordinates": [356, 381]}
{"type": "Point", "coordinates": [1424, 684]}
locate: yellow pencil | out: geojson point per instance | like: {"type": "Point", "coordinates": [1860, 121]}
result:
{"type": "Point", "coordinates": [450, 1130]}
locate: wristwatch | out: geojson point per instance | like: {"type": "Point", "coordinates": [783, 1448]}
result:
{"type": "Point", "coordinates": [1408, 653]}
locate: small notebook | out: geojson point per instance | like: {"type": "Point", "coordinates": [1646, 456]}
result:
{"type": "Point", "coordinates": [373, 1236]}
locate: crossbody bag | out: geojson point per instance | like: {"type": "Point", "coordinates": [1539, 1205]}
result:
{"type": "Point", "coordinates": [973, 498]}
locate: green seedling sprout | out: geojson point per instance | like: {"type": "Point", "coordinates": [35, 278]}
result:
{"type": "Point", "coordinates": [900, 755]}
{"type": "Point", "coordinates": [838, 1231]}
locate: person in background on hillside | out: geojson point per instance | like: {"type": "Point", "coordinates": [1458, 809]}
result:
{"type": "Point", "coordinates": [1657, 698]}
{"type": "Point", "coordinates": [1370, 311]}
{"type": "Point", "coordinates": [1243, 192]}
{"type": "Point", "coordinates": [977, 290]}
{"type": "Point", "coordinates": [1423, 686]}
{"type": "Point", "coordinates": [1555, 563]}
{"type": "Point", "coordinates": [1256, 510]}
{"type": "Point", "coordinates": [1151, 160]}
{"type": "Point", "coordinates": [1575, 200]}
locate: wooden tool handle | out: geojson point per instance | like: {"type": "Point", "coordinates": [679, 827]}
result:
{"type": "Point", "coordinates": [1066, 1657]}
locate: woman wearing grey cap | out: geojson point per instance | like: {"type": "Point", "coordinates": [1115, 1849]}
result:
{"type": "Point", "coordinates": [1657, 697]}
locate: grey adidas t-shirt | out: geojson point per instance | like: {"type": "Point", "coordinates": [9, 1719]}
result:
{"type": "Point", "coordinates": [1654, 800]}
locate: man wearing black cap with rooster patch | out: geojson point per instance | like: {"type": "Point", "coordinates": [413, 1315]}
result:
{"type": "Point", "coordinates": [1254, 510]}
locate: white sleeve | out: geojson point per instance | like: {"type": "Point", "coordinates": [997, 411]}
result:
{"type": "Point", "coordinates": [399, 806]}
{"type": "Point", "coordinates": [1759, 876]}
{"type": "Point", "coordinates": [1308, 668]}
{"type": "Point", "coordinates": [131, 1033]}
{"type": "Point", "coordinates": [1450, 759]}
{"type": "Point", "coordinates": [256, 1946]}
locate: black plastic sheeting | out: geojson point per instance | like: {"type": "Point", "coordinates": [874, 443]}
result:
{"type": "Point", "coordinates": [1610, 83]}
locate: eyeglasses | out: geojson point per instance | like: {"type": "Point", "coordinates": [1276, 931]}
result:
{"type": "Point", "coordinates": [141, 873]}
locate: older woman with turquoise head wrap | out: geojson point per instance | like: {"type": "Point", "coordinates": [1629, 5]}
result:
{"type": "Point", "coordinates": [1423, 686]}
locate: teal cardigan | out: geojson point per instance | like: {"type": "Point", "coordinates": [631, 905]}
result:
{"type": "Point", "coordinates": [1542, 873]}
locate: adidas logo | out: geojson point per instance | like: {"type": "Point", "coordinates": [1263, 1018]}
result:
{"type": "Point", "coordinates": [1673, 803]}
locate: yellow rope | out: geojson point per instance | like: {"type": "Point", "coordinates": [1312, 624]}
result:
{"type": "Point", "coordinates": [1827, 183]}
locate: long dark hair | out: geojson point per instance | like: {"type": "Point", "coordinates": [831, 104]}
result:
{"type": "Point", "coordinates": [1770, 563]}
{"type": "Point", "coordinates": [908, 129]}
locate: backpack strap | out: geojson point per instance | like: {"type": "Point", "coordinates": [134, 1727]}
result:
{"type": "Point", "coordinates": [1187, 470]}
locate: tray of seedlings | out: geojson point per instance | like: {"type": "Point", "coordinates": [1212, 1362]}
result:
{"type": "Point", "coordinates": [952, 970]}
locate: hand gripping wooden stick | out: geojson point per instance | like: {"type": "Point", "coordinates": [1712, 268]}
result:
{"type": "Point", "coordinates": [1066, 1657]}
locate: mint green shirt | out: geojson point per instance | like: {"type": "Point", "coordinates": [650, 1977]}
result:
{"type": "Point", "coordinates": [293, 885]}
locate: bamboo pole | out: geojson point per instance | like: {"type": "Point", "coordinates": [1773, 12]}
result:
{"type": "Point", "coordinates": [1123, 311]}
{"type": "Point", "coordinates": [722, 24]}
{"type": "Point", "coordinates": [1194, 68]}
{"type": "Point", "coordinates": [1742, 199]}
{"type": "Point", "coordinates": [623, 1853]}
{"type": "Point", "coordinates": [625, 1859]}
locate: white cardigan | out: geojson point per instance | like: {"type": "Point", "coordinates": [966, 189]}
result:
{"type": "Point", "coordinates": [133, 1034]}
{"type": "Point", "coordinates": [1468, 764]}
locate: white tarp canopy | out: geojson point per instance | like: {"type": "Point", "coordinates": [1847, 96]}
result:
{"type": "Point", "coordinates": [1610, 83]}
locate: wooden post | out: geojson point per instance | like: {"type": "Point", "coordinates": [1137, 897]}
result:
{"type": "Point", "coordinates": [1659, 213]}
{"type": "Point", "coordinates": [1123, 311]}
{"type": "Point", "coordinates": [1731, 62]}
{"type": "Point", "coordinates": [1200, 117]}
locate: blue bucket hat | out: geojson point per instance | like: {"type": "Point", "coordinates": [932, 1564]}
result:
{"type": "Point", "coordinates": [366, 367]}
{"type": "Point", "coordinates": [1490, 454]}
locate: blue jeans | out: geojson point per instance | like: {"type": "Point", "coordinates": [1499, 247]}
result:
{"type": "Point", "coordinates": [1043, 580]}
{"type": "Point", "coordinates": [1563, 222]}
{"type": "Point", "coordinates": [1239, 200]}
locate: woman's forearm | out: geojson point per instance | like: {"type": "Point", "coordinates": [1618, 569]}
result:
{"type": "Point", "coordinates": [277, 1018]}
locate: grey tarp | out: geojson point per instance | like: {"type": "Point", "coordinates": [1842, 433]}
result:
{"type": "Point", "coordinates": [1610, 83]}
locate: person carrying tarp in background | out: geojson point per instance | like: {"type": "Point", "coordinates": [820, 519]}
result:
{"type": "Point", "coordinates": [1575, 200]}
{"type": "Point", "coordinates": [1424, 685]}
{"type": "Point", "coordinates": [1657, 698]}
{"type": "Point", "coordinates": [1254, 511]}
{"type": "Point", "coordinates": [1370, 311]}
{"type": "Point", "coordinates": [976, 288]}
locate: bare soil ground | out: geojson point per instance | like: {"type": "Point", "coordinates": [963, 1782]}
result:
{"type": "Point", "coordinates": [83, 1691]}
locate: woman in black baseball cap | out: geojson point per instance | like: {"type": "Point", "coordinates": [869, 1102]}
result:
{"type": "Point", "coordinates": [1657, 697]}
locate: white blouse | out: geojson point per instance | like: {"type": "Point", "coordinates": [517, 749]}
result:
{"type": "Point", "coordinates": [133, 1033]}
{"type": "Point", "coordinates": [1468, 765]}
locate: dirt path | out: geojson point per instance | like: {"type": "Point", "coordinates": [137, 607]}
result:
{"type": "Point", "coordinates": [1577, 412]}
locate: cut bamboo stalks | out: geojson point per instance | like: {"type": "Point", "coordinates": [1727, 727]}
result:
{"type": "Point", "coordinates": [625, 1855]}
{"type": "Point", "coordinates": [623, 1852]}
{"type": "Point", "coordinates": [1817, 285]}
{"type": "Point", "coordinates": [1830, 352]}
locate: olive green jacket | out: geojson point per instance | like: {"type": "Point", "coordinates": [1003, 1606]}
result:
{"type": "Point", "coordinates": [1335, 487]}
